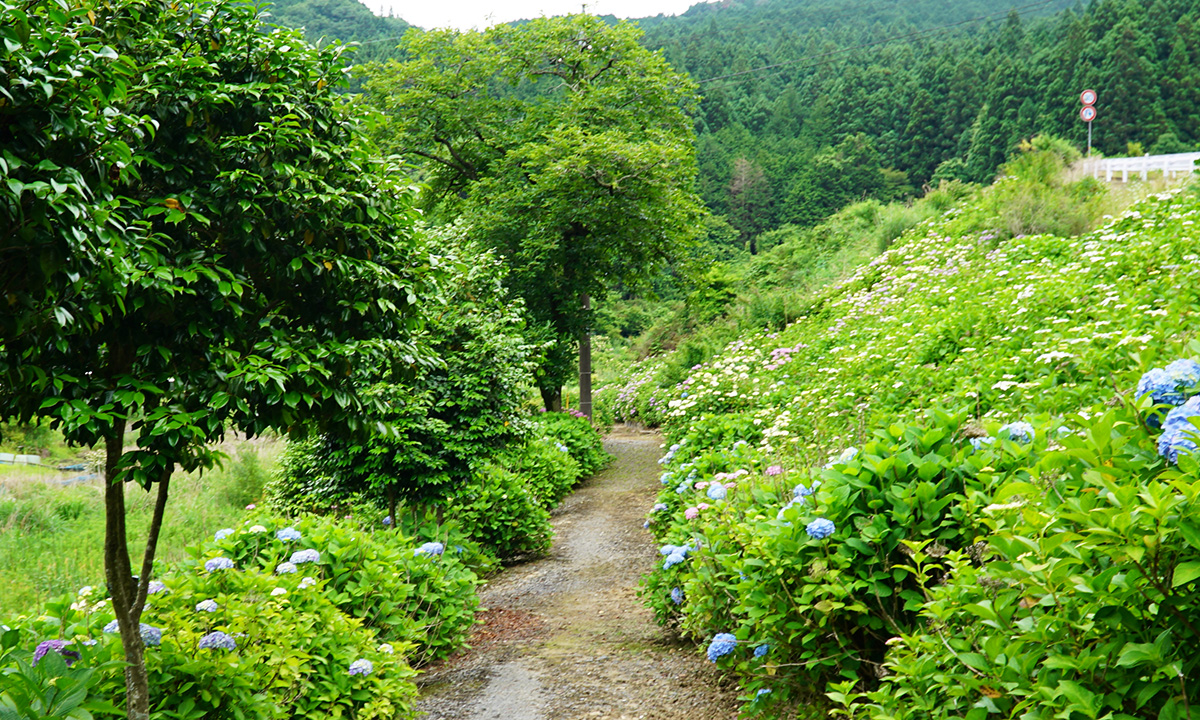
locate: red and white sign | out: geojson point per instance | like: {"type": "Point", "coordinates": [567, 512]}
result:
{"type": "Point", "coordinates": [1087, 114]}
{"type": "Point", "coordinates": [1088, 97]}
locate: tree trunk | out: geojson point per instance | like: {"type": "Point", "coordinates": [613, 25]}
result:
{"type": "Point", "coordinates": [119, 574]}
{"type": "Point", "coordinates": [552, 398]}
{"type": "Point", "coordinates": [585, 364]}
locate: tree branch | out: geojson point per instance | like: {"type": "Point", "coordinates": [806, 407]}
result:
{"type": "Point", "coordinates": [160, 504]}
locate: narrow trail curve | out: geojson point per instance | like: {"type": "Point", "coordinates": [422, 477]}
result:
{"type": "Point", "coordinates": [566, 637]}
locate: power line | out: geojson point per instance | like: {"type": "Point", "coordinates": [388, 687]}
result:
{"type": "Point", "coordinates": [941, 28]}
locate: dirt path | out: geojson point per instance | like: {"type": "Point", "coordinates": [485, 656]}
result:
{"type": "Point", "coordinates": [566, 637]}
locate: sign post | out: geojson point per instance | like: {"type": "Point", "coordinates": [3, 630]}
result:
{"type": "Point", "coordinates": [1088, 114]}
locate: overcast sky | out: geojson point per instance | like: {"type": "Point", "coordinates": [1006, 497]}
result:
{"type": "Point", "coordinates": [479, 14]}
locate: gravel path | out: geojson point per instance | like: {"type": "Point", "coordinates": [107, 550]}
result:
{"type": "Point", "coordinates": [566, 637]}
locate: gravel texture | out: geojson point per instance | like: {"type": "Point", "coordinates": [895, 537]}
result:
{"type": "Point", "coordinates": [566, 637]}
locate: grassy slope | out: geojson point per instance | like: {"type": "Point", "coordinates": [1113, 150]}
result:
{"type": "Point", "coordinates": [952, 315]}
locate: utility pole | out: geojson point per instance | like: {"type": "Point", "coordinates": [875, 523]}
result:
{"type": "Point", "coordinates": [585, 363]}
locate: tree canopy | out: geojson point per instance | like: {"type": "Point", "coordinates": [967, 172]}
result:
{"type": "Point", "coordinates": [563, 144]}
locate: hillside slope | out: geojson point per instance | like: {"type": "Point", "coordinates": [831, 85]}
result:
{"type": "Point", "coordinates": [936, 491]}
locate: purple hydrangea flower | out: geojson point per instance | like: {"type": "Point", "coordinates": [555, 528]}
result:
{"type": "Point", "coordinates": [1178, 431]}
{"type": "Point", "coordinates": [218, 563]}
{"type": "Point", "coordinates": [305, 556]}
{"type": "Point", "coordinates": [151, 636]}
{"type": "Point", "coordinates": [217, 640]}
{"type": "Point", "coordinates": [57, 646]}
{"type": "Point", "coordinates": [207, 606]}
{"type": "Point", "coordinates": [223, 533]}
{"type": "Point", "coordinates": [361, 667]}
{"type": "Point", "coordinates": [820, 528]}
{"type": "Point", "coordinates": [659, 507]}
{"type": "Point", "coordinates": [154, 587]}
{"type": "Point", "coordinates": [429, 549]}
{"type": "Point", "coordinates": [721, 645]}
{"type": "Point", "coordinates": [285, 568]}
{"type": "Point", "coordinates": [288, 534]}
{"type": "Point", "coordinates": [387, 521]}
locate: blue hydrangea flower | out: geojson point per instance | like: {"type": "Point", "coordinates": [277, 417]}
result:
{"type": "Point", "coordinates": [1179, 434]}
{"type": "Point", "coordinates": [361, 667]}
{"type": "Point", "coordinates": [1020, 432]}
{"type": "Point", "coordinates": [666, 477]}
{"type": "Point", "coordinates": [673, 559]}
{"type": "Point", "coordinates": [223, 533]}
{"type": "Point", "coordinates": [1184, 372]}
{"type": "Point", "coordinates": [716, 491]}
{"type": "Point", "coordinates": [979, 442]}
{"type": "Point", "coordinates": [288, 534]}
{"type": "Point", "coordinates": [846, 456]}
{"type": "Point", "coordinates": [207, 606]}
{"type": "Point", "coordinates": [762, 650]}
{"type": "Point", "coordinates": [305, 556]}
{"type": "Point", "coordinates": [721, 645]}
{"type": "Point", "coordinates": [154, 587]}
{"type": "Point", "coordinates": [803, 491]}
{"type": "Point", "coordinates": [562, 448]}
{"type": "Point", "coordinates": [58, 646]}
{"type": "Point", "coordinates": [387, 521]}
{"type": "Point", "coordinates": [218, 563]}
{"type": "Point", "coordinates": [683, 487]}
{"type": "Point", "coordinates": [677, 595]}
{"type": "Point", "coordinates": [307, 582]}
{"type": "Point", "coordinates": [285, 568]}
{"type": "Point", "coordinates": [659, 507]}
{"type": "Point", "coordinates": [761, 692]}
{"type": "Point", "coordinates": [429, 549]}
{"type": "Point", "coordinates": [112, 627]}
{"type": "Point", "coordinates": [217, 640]}
{"type": "Point", "coordinates": [820, 528]}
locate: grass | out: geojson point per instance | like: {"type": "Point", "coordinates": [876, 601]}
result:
{"type": "Point", "coordinates": [52, 536]}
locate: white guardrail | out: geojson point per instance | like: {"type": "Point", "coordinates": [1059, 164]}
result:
{"type": "Point", "coordinates": [1110, 168]}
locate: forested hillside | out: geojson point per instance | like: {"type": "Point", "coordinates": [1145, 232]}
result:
{"type": "Point", "coordinates": [790, 85]}
{"type": "Point", "coordinates": [345, 20]}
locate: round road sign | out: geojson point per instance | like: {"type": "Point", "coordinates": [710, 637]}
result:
{"type": "Point", "coordinates": [1087, 114]}
{"type": "Point", "coordinates": [1088, 97]}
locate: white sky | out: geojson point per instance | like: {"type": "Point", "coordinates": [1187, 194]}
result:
{"type": "Point", "coordinates": [479, 14]}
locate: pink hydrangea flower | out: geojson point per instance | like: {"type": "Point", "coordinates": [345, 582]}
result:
{"type": "Point", "coordinates": [775, 470]}
{"type": "Point", "coordinates": [701, 485]}
{"type": "Point", "coordinates": [691, 513]}
{"type": "Point", "coordinates": [703, 506]}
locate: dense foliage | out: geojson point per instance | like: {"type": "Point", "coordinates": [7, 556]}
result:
{"type": "Point", "coordinates": [194, 240]}
{"type": "Point", "coordinates": [1028, 552]}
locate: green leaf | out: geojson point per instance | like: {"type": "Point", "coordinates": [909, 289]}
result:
{"type": "Point", "coordinates": [1185, 573]}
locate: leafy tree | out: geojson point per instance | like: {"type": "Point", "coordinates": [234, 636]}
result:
{"type": "Point", "coordinates": [749, 202]}
{"type": "Point", "coordinates": [194, 241]}
{"type": "Point", "coordinates": [564, 144]}
{"type": "Point", "coordinates": [442, 421]}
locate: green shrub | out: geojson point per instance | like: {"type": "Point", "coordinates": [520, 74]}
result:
{"type": "Point", "coordinates": [1086, 604]}
{"type": "Point", "coordinates": [583, 443]}
{"type": "Point", "coordinates": [497, 509]}
{"type": "Point", "coordinates": [547, 468]}
{"type": "Point", "coordinates": [373, 576]}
